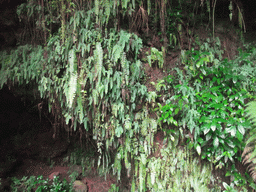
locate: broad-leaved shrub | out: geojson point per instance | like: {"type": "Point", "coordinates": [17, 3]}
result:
{"type": "Point", "coordinates": [209, 99]}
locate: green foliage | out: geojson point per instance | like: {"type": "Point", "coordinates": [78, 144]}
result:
{"type": "Point", "coordinates": [249, 152]}
{"type": "Point", "coordinates": [32, 63]}
{"type": "Point", "coordinates": [96, 81]}
{"type": "Point", "coordinates": [209, 53]}
{"type": "Point", "coordinates": [176, 170]}
{"type": "Point", "coordinates": [39, 184]}
{"type": "Point", "coordinates": [137, 145]}
{"type": "Point", "coordinates": [113, 188]}
{"type": "Point", "coordinates": [209, 99]}
{"type": "Point", "coordinates": [238, 181]}
{"type": "Point", "coordinates": [80, 157]}
{"type": "Point", "coordinates": [169, 111]}
{"type": "Point", "coordinates": [156, 56]}
{"type": "Point", "coordinates": [174, 23]}
{"type": "Point", "coordinates": [251, 113]}
{"type": "Point", "coordinates": [90, 74]}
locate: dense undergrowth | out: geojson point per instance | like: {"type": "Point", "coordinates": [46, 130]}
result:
{"type": "Point", "coordinates": [209, 99]}
{"type": "Point", "coordinates": [93, 81]}
{"type": "Point", "coordinates": [40, 184]}
{"type": "Point", "coordinates": [206, 102]}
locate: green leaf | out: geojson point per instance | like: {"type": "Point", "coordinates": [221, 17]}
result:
{"type": "Point", "coordinates": [230, 143]}
{"type": "Point", "coordinates": [241, 129]}
{"type": "Point", "coordinates": [233, 131]}
{"type": "Point", "coordinates": [206, 131]}
{"type": "Point", "coordinates": [117, 52]}
{"type": "Point", "coordinates": [234, 80]}
{"type": "Point", "coordinates": [226, 186]}
{"type": "Point", "coordinates": [239, 136]}
{"type": "Point", "coordinates": [143, 158]}
{"type": "Point", "coordinates": [251, 111]}
{"type": "Point", "coordinates": [119, 131]}
{"type": "Point", "coordinates": [216, 142]}
{"type": "Point", "coordinates": [203, 71]}
{"type": "Point", "coordinates": [213, 127]}
{"type": "Point", "coordinates": [198, 149]}
{"type": "Point", "coordinates": [176, 111]}
{"type": "Point", "coordinates": [200, 140]}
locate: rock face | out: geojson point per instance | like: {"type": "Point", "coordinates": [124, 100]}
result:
{"type": "Point", "coordinates": [7, 166]}
{"type": "Point", "coordinates": [79, 186]}
{"type": "Point", "coordinates": [52, 151]}
{"type": "Point", "coordinates": [8, 25]}
{"type": "Point", "coordinates": [7, 37]}
{"type": "Point", "coordinates": [8, 160]}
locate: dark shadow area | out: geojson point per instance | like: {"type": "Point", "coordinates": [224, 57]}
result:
{"type": "Point", "coordinates": [24, 135]}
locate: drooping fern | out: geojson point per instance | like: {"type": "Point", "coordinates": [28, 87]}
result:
{"type": "Point", "coordinates": [249, 153]}
{"type": "Point", "coordinates": [72, 89]}
{"type": "Point", "coordinates": [70, 94]}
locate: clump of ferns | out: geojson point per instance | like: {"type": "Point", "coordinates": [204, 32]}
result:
{"type": "Point", "coordinates": [249, 153]}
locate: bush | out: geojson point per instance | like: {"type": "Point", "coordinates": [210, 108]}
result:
{"type": "Point", "coordinates": [209, 99]}
{"type": "Point", "coordinates": [40, 185]}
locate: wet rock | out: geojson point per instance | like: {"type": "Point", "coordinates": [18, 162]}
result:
{"type": "Point", "coordinates": [79, 186]}
{"type": "Point", "coordinates": [55, 150]}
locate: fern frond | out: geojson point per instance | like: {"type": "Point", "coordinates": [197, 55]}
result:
{"type": "Point", "coordinates": [249, 153]}
{"type": "Point", "coordinates": [107, 9]}
{"type": "Point", "coordinates": [72, 89]}
{"type": "Point", "coordinates": [252, 138]}
{"type": "Point", "coordinates": [251, 111]}
{"type": "Point", "coordinates": [125, 67]}
{"type": "Point", "coordinates": [97, 10]}
{"type": "Point", "coordinates": [252, 170]}
{"type": "Point", "coordinates": [72, 84]}
{"type": "Point", "coordinates": [247, 150]}
{"type": "Point", "coordinates": [98, 54]}
{"type": "Point", "coordinates": [246, 154]}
